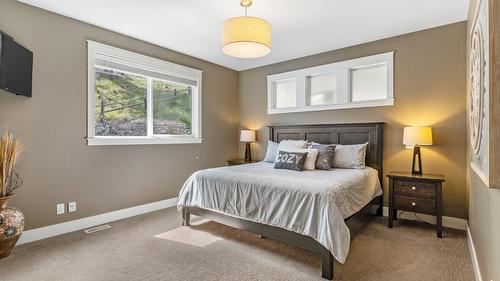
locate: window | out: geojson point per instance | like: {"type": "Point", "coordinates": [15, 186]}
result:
{"type": "Point", "coordinates": [135, 99]}
{"type": "Point", "coordinates": [323, 89]}
{"type": "Point", "coordinates": [362, 82]}
{"type": "Point", "coordinates": [369, 83]}
{"type": "Point", "coordinates": [285, 93]}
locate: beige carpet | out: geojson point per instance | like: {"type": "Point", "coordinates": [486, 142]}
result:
{"type": "Point", "coordinates": [153, 247]}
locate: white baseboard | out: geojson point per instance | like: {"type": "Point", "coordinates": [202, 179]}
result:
{"type": "Point", "coordinates": [473, 256]}
{"type": "Point", "coordinates": [79, 224]}
{"type": "Point", "coordinates": [450, 222]}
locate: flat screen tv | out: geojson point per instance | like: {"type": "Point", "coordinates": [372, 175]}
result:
{"type": "Point", "coordinates": [16, 67]}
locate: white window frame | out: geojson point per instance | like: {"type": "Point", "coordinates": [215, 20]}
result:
{"type": "Point", "coordinates": [96, 50]}
{"type": "Point", "coordinates": [342, 71]}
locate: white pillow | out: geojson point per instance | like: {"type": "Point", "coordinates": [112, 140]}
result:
{"type": "Point", "coordinates": [312, 155]}
{"type": "Point", "coordinates": [271, 152]}
{"type": "Point", "coordinates": [295, 144]}
{"type": "Point", "coordinates": [350, 156]}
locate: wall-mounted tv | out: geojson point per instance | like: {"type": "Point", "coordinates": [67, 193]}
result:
{"type": "Point", "coordinates": [16, 67]}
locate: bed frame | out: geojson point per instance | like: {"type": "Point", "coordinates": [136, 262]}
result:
{"type": "Point", "coordinates": [332, 133]}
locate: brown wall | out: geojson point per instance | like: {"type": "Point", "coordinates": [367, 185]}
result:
{"type": "Point", "coordinates": [483, 203]}
{"type": "Point", "coordinates": [429, 90]}
{"type": "Point", "coordinates": [57, 165]}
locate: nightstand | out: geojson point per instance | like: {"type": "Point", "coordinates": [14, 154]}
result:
{"type": "Point", "coordinates": [416, 193]}
{"type": "Point", "coordinates": [235, 162]}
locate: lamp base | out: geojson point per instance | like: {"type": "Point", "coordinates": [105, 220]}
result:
{"type": "Point", "coordinates": [416, 153]}
{"type": "Point", "coordinates": [248, 153]}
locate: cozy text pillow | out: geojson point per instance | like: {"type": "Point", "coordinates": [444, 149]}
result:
{"type": "Point", "coordinates": [290, 160]}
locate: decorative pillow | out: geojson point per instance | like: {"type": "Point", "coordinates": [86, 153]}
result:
{"type": "Point", "coordinates": [292, 144]}
{"type": "Point", "coordinates": [312, 155]}
{"type": "Point", "coordinates": [272, 151]}
{"type": "Point", "coordinates": [325, 155]}
{"type": "Point", "coordinates": [350, 156]}
{"type": "Point", "coordinates": [290, 160]}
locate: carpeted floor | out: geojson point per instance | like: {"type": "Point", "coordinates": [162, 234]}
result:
{"type": "Point", "coordinates": [153, 247]}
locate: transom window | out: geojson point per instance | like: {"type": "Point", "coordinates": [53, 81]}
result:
{"type": "Point", "coordinates": [136, 99]}
{"type": "Point", "coordinates": [362, 82]}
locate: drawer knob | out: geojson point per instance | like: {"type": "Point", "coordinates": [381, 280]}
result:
{"type": "Point", "coordinates": [413, 204]}
{"type": "Point", "coordinates": [413, 188]}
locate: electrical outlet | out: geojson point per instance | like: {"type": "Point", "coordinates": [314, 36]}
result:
{"type": "Point", "coordinates": [60, 209]}
{"type": "Point", "coordinates": [71, 207]}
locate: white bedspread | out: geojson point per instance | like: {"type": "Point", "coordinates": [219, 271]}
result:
{"type": "Point", "coordinates": [312, 203]}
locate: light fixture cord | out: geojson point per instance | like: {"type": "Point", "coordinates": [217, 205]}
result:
{"type": "Point", "coordinates": [245, 4]}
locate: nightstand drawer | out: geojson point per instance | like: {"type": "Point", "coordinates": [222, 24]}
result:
{"type": "Point", "coordinates": [419, 205]}
{"type": "Point", "coordinates": [415, 189]}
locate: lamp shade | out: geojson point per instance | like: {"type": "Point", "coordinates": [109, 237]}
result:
{"type": "Point", "coordinates": [417, 136]}
{"type": "Point", "coordinates": [246, 37]}
{"type": "Point", "coordinates": [247, 136]}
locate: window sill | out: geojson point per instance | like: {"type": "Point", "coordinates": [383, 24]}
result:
{"type": "Point", "coordinates": [97, 141]}
{"type": "Point", "coordinates": [351, 105]}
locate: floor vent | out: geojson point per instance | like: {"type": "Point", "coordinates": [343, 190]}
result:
{"type": "Point", "coordinates": [97, 228]}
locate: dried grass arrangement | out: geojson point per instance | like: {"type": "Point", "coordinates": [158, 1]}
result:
{"type": "Point", "coordinates": [10, 150]}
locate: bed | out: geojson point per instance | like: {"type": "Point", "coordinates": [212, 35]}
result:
{"type": "Point", "coordinates": [314, 210]}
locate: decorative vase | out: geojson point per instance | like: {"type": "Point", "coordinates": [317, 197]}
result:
{"type": "Point", "coordinates": [11, 226]}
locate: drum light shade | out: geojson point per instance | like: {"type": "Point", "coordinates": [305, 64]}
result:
{"type": "Point", "coordinates": [417, 136]}
{"type": "Point", "coordinates": [247, 136]}
{"type": "Point", "coordinates": [246, 37]}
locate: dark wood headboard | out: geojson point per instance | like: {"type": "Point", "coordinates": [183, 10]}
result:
{"type": "Point", "coordinates": [338, 134]}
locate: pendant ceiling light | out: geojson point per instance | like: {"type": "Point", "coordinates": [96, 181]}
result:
{"type": "Point", "coordinates": [246, 37]}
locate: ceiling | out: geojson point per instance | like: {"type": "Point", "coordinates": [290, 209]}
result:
{"type": "Point", "coordinates": [300, 27]}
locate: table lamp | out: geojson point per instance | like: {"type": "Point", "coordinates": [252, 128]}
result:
{"type": "Point", "coordinates": [247, 136]}
{"type": "Point", "coordinates": [414, 137]}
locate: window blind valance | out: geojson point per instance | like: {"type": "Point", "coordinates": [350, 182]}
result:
{"type": "Point", "coordinates": [111, 64]}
